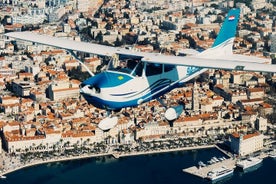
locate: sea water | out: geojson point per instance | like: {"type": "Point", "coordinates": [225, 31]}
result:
{"type": "Point", "coordinates": [163, 168]}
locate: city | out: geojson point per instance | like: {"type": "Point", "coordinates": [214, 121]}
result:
{"type": "Point", "coordinates": [44, 118]}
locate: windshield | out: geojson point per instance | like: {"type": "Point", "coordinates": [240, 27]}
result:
{"type": "Point", "coordinates": [129, 66]}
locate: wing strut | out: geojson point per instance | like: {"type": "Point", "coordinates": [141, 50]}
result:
{"type": "Point", "coordinates": [79, 60]}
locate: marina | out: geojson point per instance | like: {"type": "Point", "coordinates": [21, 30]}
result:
{"type": "Point", "coordinates": [202, 172]}
{"type": "Point", "coordinates": [224, 166]}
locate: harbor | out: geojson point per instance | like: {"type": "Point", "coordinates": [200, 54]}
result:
{"type": "Point", "coordinates": [202, 170]}
{"type": "Point", "coordinates": [152, 168]}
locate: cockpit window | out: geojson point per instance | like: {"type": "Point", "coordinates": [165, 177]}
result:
{"type": "Point", "coordinates": [153, 69]}
{"type": "Point", "coordinates": [129, 66]}
{"type": "Point", "coordinates": [138, 70]}
{"type": "Point", "coordinates": [168, 68]}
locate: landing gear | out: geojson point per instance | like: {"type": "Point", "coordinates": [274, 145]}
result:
{"type": "Point", "coordinates": [108, 122]}
{"type": "Point", "coordinates": [173, 112]}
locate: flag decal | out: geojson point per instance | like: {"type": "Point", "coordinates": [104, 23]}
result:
{"type": "Point", "coordinates": [231, 17]}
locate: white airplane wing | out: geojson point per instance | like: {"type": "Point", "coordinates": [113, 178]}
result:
{"type": "Point", "coordinates": [219, 56]}
{"type": "Point", "coordinates": [215, 63]}
{"type": "Point", "coordinates": [231, 62]}
{"type": "Point", "coordinates": [71, 45]}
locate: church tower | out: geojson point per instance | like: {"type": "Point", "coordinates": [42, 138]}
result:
{"type": "Point", "coordinates": [195, 97]}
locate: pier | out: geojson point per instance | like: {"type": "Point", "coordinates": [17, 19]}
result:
{"type": "Point", "coordinates": [202, 171]}
{"type": "Point", "coordinates": [230, 163]}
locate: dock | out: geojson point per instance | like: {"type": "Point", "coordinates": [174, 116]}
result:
{"type": "Point", "coordinates": [202, 171]}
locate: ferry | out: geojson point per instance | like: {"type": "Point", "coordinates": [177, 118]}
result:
{"type": "Point", "coordinates": [219, 173]}
{"type": "Point", "coordinates": [249, 163]}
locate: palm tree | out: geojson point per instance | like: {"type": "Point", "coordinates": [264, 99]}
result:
{"type": "Point", "coordinates": [88, 141]}
{"type": "Point", "coordinates": [47, 145]}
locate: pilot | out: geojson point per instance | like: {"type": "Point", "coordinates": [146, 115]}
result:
{"type": "Point", "coordinates": [123, 64]}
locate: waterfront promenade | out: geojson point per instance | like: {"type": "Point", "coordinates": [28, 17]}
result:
{"type": "Point", "coordinates": [13, 164]}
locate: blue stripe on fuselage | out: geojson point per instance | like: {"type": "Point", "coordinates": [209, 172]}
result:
{"type": "Point", "coordinates": [108, 79]}
{"type": "Point", "coordinates": [115, 105]}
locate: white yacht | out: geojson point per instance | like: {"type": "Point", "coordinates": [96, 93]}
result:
{"type": "Point", "coordinates": [249, 162]}
{"type": "Point", "coordinates": [219, 173]}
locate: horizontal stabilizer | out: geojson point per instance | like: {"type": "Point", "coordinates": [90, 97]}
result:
{"type": "Point", "coordinates": [188, 52]}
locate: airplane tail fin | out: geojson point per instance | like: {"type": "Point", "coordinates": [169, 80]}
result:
{"type": "Point", "coordinates": [225, 39]}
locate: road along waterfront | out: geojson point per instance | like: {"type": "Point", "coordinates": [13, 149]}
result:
{"type": "Point", "coordinates": [17, 165]}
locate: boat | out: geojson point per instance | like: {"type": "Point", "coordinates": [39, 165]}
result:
{"type": "Point", "coordinates": [210, 162]}
{"type": "Point", "coordinates": [272, 154]}
{"type": "Point", "coordinates": [215, 159]}
{"type": "Point", "coordinates": [201, 164]}
{"type": "Point", "coordinates": [249, 163]}
{"type": "Point", "coordinates": [3, 177]}
{"type": "Point", "coordinates": [219, 173]}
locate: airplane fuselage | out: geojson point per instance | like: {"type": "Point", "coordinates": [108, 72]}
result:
{"type": "Point", "coordinates": [114, 90]}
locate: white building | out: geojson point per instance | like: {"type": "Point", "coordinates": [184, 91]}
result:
{"type": "Point", "coordinates": [22, 88]}
{"type": "Point", "coordinates": [246, 144]}
{"type": "Point", "coordinates": [273, 43]}
{"type": "Point", "coordinates": [59, 90]}
{"type": "Point", "coordinates": [261, 124]}
{"type": "Point", "coordinates": [83, 5]}
{"type": "Point", "coordinates": [258, 4]}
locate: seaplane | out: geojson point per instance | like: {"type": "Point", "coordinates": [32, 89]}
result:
{"type": "Point", "coordinates": [137, 77]}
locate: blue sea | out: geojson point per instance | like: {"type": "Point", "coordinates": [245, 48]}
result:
{"type": "Point", "coordinates": [163, 168]}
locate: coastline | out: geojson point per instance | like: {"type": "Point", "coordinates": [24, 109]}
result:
{"type": "Point", "coordinates": [114, 154]}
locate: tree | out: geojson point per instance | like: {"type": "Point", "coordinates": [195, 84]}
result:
{"type": "Point", "coordinates": [99, 37]}
{"type": "Point", "coordinates": [94, 24]}
{"type": "Point", "coordinates": [109, 26]}
{"type": "Point", "coordinates": [81, 15]}
{"type": "Point", "coordinates": [118, 42]}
